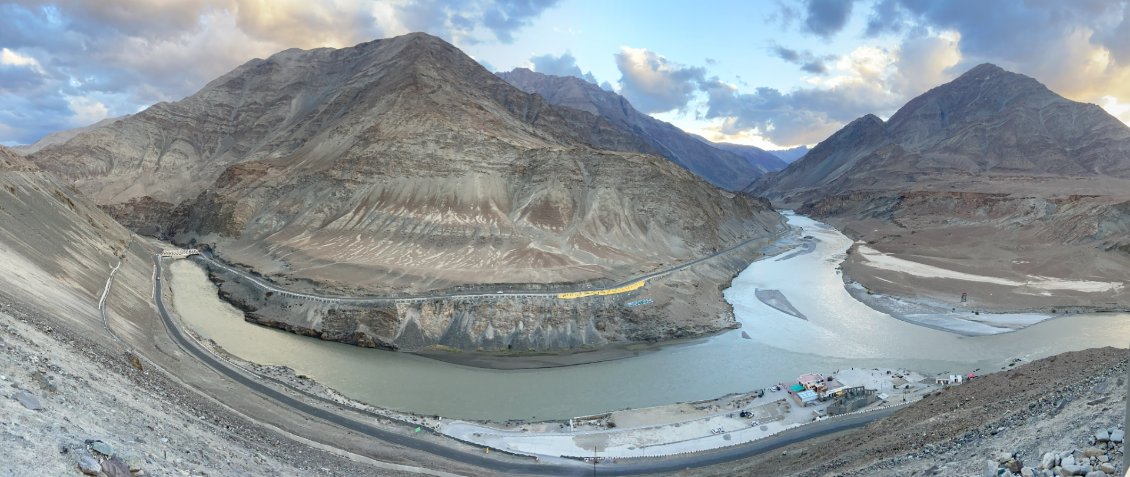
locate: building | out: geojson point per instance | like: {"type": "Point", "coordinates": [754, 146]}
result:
{"type": "Point", "coordinates": [807, 397]}
{"type": "Point", "coordinates": [951, 379]}
{"type": "Point", "coordinates": [813, 382]}
{"type": "Point", "coordinates": [852, 399]}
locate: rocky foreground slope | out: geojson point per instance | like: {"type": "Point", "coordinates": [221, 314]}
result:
{"type": "Point", "coordinates": [990, 175]}
{"type": "Point", "coordinates": [68, 386]}
{"type": "Point", "coordinates": [402, 166]}
{"type": "Point", "coordinates": [1057, 411]}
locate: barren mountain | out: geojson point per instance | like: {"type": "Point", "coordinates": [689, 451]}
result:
{"type": "Point", "coordinates": [731, 170]}
{"type": "Point", "coordinates": [10, 161]}
{"type": "Point", "coordinates": [979, 175]}
{"type": "Point", "coordinates": [987, 127]}
{"type": "Point", "coordinates": [401, 165]}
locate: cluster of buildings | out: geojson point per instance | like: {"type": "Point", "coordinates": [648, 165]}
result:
{"type": "Point", "coordinates": [814, 388]}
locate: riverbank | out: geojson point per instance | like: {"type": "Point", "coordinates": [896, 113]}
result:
{"type": "Point", "coordinates": [700, 426]}
{"type": "Point", "coordinates": [508, 329]}
{"type": "Point", "coordinates": [544, 360]}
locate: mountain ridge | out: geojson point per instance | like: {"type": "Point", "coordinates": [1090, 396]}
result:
{"type": "Point", "coordinates": [721, 167]}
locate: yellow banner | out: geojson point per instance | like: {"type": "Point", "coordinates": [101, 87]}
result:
{"type": "Point", "coordinates": [609, 291]}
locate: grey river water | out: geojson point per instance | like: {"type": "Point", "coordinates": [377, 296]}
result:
{"type": "Point", "coordinates": [840, 332]}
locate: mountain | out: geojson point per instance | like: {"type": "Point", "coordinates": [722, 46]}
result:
{"type": "Point", "coordinates": [402, 166]}
{"type": "Point", "coordinates": [986, 125]}
{"type": "Point", "coordinates": [721, 167]}
{"type": "Point", "coordinates": [790, 155]}
{"type": "Point", "coordinates": [756, 156]}
{"type": "Point", "coordinates": [60, 137]}
{"type": "Point", "coordinates": [11, 161]}
{"type": "Point", "coordinates": [991, 175]}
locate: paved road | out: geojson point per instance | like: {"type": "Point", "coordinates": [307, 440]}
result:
{"type": "Point", "coordinates": [406, 439]}
{"type": "Point", "coordinates": [431, 296]}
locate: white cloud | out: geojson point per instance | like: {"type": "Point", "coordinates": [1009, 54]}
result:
{"type": "Point", "coordinates": [11, 58]}
{"type": "Point", "coordinates": [86, 111]}
{"type": "Point", "coordinates": [655, 84]}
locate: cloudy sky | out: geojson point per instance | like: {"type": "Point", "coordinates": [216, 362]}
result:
{"type": "Point", "coordinates": [773, 73]}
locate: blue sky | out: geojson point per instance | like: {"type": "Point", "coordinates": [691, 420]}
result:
{"type": "Point", "coordinates": [773, 73]}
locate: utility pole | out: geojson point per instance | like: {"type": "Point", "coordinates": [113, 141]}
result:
{"type": "Point", "coordinates": [1126, 427]}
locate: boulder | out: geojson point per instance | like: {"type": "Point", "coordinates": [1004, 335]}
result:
{"type": "Point", "coordinates": [990, 468]}
{"type": "Point", "coordinates": [1049, 461]}
{"type": "Point", "coordinates": [1027, 472]}
{"type": "Point", "coordinates": [102, 448]}
{"type": "Point", "coordinates": [1096, 473]}
{"type": "Point", "coordinates": [1093, 452]}
{"type": "Point", "coordinates": [1070, 470]}
{"type": "Point", "coordinates": [88, 464]}
{"type": "Point", "coordinates": [115, 467]}
{"type": "Point", "coordinates": [1102, 435]}
{"type": "Point", "coordinates": [1107, 468]}
{"type": "Point", "coordinates": [28, 400]}
{"type": "Point", "coordinates": [1067, 460]}
{"type": "Point", "coordinates": [1117, 435]}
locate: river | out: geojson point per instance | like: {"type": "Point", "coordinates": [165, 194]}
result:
{"type": "Point", "coordinates": [840, 332]}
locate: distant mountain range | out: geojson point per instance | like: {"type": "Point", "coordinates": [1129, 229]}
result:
{"type": "Point", "coordinates": [63, 136]}
{"type": "Point", "coordinates": [727, 166]}
{"type": "Point", "coordinates": [790, 155]}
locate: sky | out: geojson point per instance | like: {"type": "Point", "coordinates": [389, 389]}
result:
{"type": "Point", "coordinates": [771, 73]}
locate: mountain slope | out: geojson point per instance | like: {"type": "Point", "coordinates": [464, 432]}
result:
{"type": "Point", "coordinates": [402, 166]}
{"type": "Point", "coordinates": [11, 161]}
{"type": "Point", "coordinates": [722, 168]}
{"type": "Point", "coordinates": [978, 176]}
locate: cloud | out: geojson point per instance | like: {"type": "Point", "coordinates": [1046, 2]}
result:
{"type": "Point", "coordinates": [866, 80]}
{"type": "Point", "coordinates": [827, 17]}
{"type": "Point", "coordinates": [63, 60]}
{"type": "Point", "coordinates": [886, 17]}
{"type": "Point", "coordinates": [461, 21]}
{"type": "Point", "coordinates": [653, 83]}
{"type": "Point", "coordinates": [926, 61]}
{"type": "Point", "coordinates": [1080, 49]}
{"type": "Point", "coordinates": [564, 65]}
{"type": "Point", "coordinates": [86, 111]}
{"type": "Point", "coordinates": [805, 59]}
{"type": "Point", "coordinates": [508, 16]}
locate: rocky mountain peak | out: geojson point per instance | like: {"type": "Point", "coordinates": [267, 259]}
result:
{"type": "Point", "coordinates": [988, 122]}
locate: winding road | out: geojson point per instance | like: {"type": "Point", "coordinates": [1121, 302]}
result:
{"type": "Point", "coordinates": [406, 439]}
